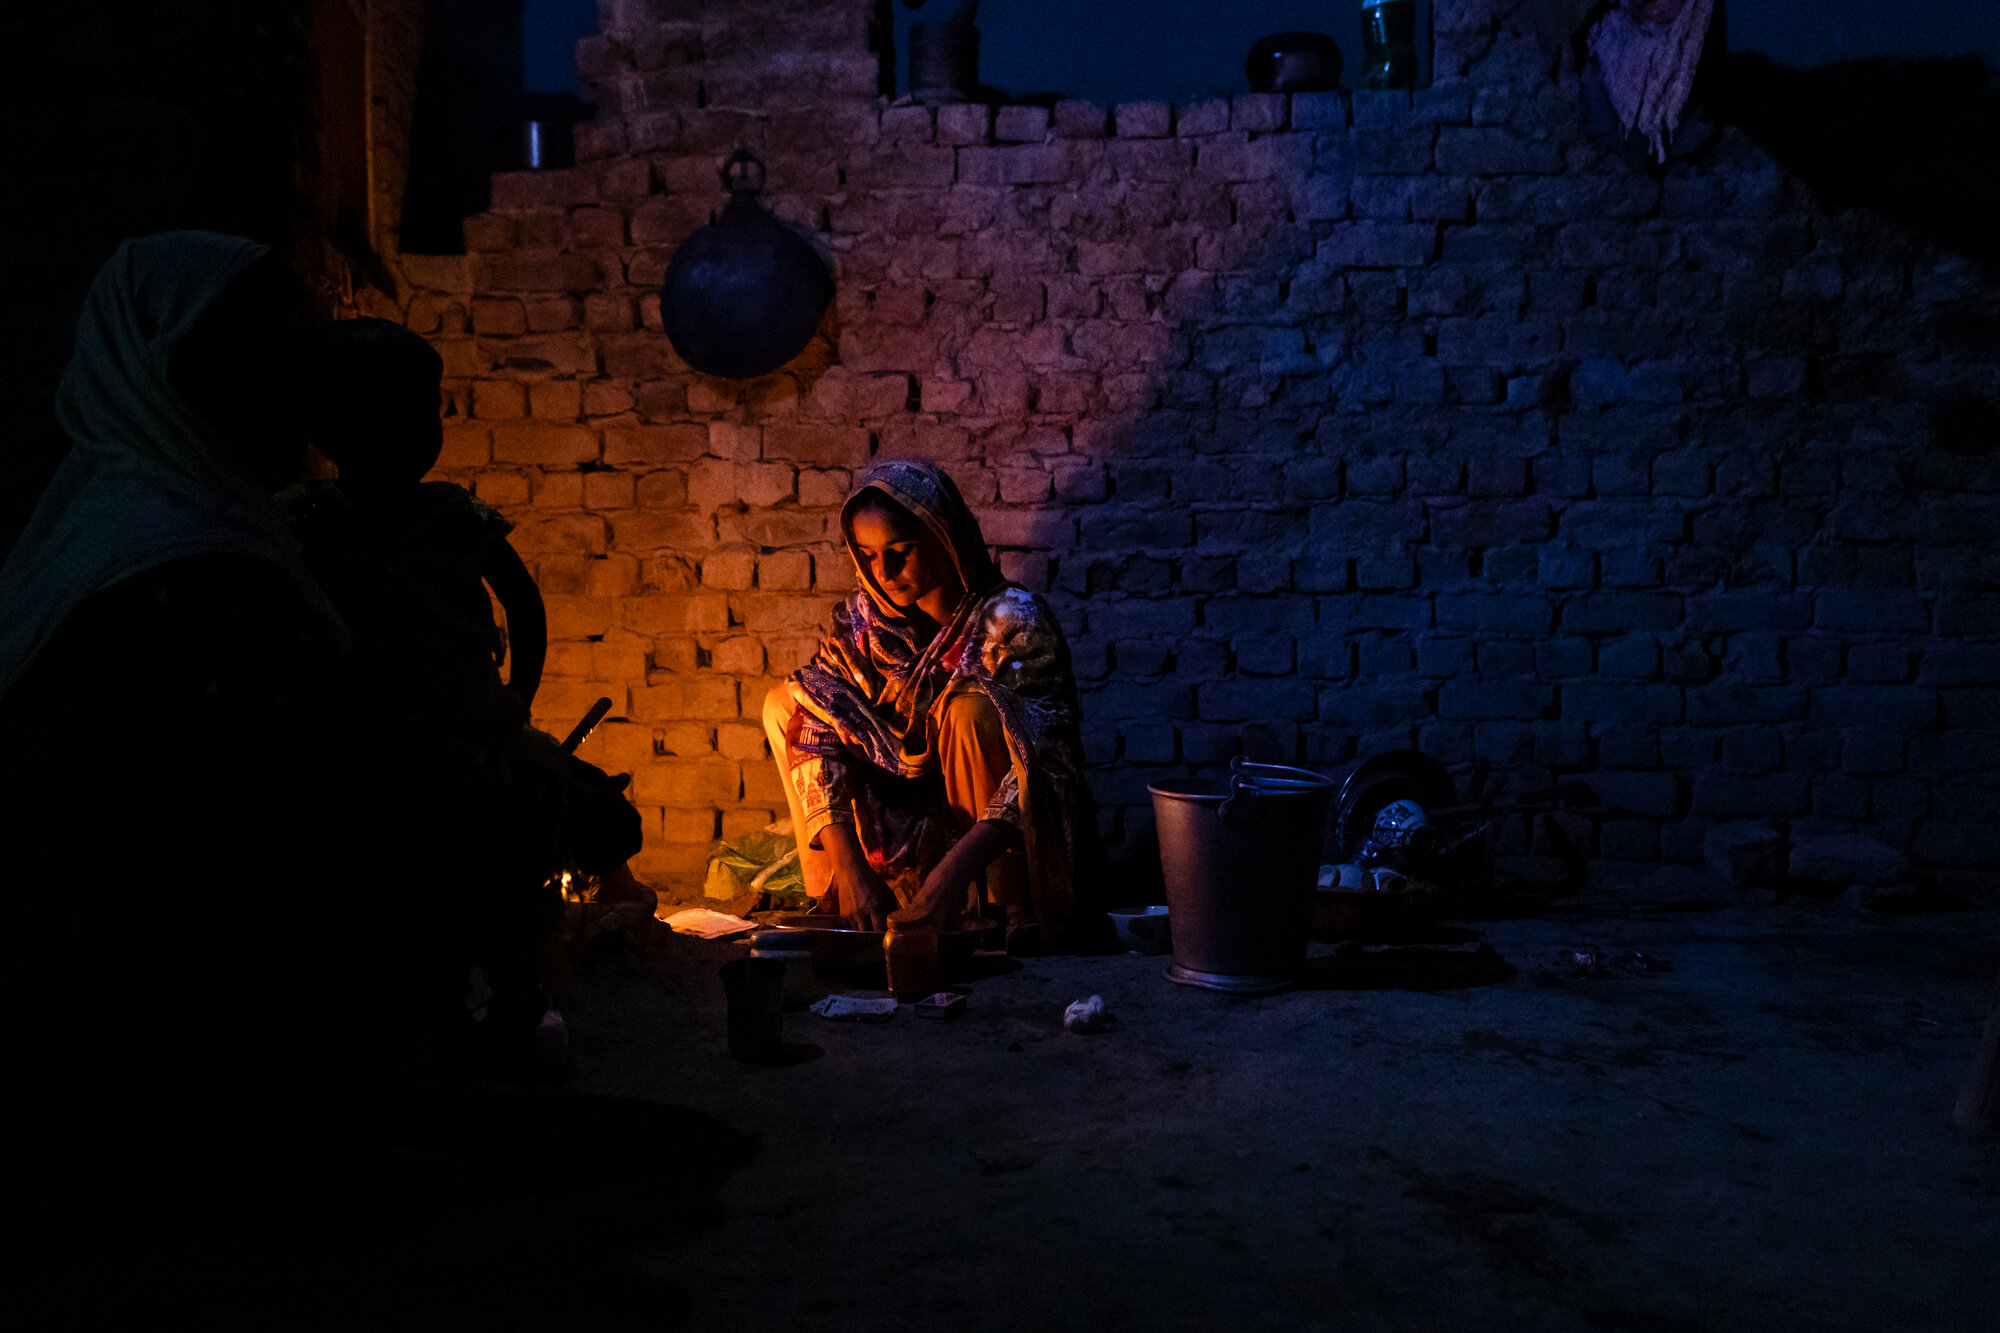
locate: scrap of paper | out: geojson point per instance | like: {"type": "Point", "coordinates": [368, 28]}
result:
{"type": "Point", "coordinates": [853, 1009]}
{"type": "Point", "coordinates": [704, 924]}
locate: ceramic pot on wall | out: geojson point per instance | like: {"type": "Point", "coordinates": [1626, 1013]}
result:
{"type": "Point", "coordinates": [1293, 62]}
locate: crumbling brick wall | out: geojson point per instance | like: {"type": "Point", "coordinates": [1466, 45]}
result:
{"type": "Point", "coordinates": [1327, 423]}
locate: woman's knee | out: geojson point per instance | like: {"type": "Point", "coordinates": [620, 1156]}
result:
{"type": "Point", "coordinates": [778, 709]}
{"type": "Point", "coordinates": [969, 719]}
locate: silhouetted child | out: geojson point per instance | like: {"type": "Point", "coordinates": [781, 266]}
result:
{"type": "Point", "coordinates": [408, 563]}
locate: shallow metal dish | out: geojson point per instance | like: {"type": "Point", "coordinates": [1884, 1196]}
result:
{"type": "Point", "coordinates": [840, 952]}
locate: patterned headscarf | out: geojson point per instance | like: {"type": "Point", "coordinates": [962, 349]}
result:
{"type": "Point", "coordinates": [876, 674]}
{"type": "Point", "coordinates": [933, 499]}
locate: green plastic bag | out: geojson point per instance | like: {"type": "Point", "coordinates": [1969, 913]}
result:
{"type": "Point", "coordinates": [734, 867]}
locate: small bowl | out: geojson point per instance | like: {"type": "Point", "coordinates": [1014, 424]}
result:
{"type": "Point", "coordinates": [1293, 62]}
{"type": "Point", "coordinates": [1142, 929]}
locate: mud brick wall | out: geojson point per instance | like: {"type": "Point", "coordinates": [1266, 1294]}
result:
{"type": "Point", "coordinates": [1327, 423]}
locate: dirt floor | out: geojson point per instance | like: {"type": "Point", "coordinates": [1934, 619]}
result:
{"type": "Point", "coordinates": [1755, 1139]}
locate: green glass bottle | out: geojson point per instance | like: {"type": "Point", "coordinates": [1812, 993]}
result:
{"type": "Point", "coordinates": [1389, 34]}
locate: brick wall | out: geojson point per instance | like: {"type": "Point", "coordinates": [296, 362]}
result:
{"type": "Point", "coordinates": [1326, 423]}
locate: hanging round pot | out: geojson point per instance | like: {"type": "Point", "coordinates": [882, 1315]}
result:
{"type": "Point", "coordinates": [744, 294]}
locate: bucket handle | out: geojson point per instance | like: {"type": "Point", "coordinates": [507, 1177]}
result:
{"type": "Point", "coordinates": [1243, 782]}
{"type": "Point", "coordinates": [1277, 775]}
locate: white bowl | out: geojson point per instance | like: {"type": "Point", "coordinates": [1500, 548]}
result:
{"type": "Point", "coordinates": [1142, 929]}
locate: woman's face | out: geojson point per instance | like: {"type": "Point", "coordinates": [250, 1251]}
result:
{"type": "Point", "coordinates": [236, 368]}
{"type": "Point", "coordinates": [907, 562]}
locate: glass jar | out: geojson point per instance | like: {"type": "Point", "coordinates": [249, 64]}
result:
{"type": "Point", "coordinates": [1389, 38]}
{"type": "Point", "coordinates": [910, 950]}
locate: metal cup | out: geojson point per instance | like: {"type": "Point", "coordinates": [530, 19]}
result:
{"type": "Point", "coordinates": [755, 989]}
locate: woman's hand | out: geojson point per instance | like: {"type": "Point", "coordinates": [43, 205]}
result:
{"type": "Point", "coordinates": [983, 844]}
{"type": "Point", "coordinates": [864, 898]}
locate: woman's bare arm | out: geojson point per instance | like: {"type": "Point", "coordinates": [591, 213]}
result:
{"type": "Point", "coordinates": [527, 620]}
{"type": "Point", "coordinates": [986, 842]}
{"type": "Point", "coordinates": [863, 895]}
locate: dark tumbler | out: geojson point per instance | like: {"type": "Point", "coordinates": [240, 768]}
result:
{"type": "Point", "coordinates": [755, 989]}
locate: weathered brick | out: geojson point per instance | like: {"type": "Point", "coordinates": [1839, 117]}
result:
{"type": "Point", "coordinates": [1601, 613]}
{"type": "Point", "coordinates": [1726, 703]}
{"type": "Point", "coordinates": [630, 446]}
{"type": "Point", "coordinates": [1073, 119]}
{"type": "Point", "coordinates": [498, 317]}
{"type": "Point", "coordinates": [1207, 115]}
{"type": "Point", "coordinates": [1958, 844]}
{"type": "Point", "coordinates": [1734, 796]}
{"type": "Point", "coordinates": [1374, 705]}
{"type": "Point", "coordinates": [1628, 839]}
{"type": "Point", "coordinates": [685, 781]}
{"type": "Point", "coordinates": [1714, 613]}
{"type": "Point", "coordinates": [1874, 609]}
{"type": "Point", "coordinates": [1522, 699]}
{"type": "Point", "coordinates": [1144, 120]}
{"type": "Point", "coordinates": [964, 123]}
{"type": "Point", "coordinates": [548, 272]}
{"type": "Point", "coordinates": [1392, 150]}
{"type": "Point", "coordinates": [568, 532]}
{"type": "Point", "coordinates": [1258, 113]}
{"type": "Point", "coordinates": [1021, 124]}
{"type": "Point", "coordinates": [545, 445]}
{"type": "Point", "coordinates": [1379, 245]}
{"type": "Point", "coordinates": [1264, 654]}
{"type": "Point", "coordinates": [839, 446]}
{"type": "Point", "coordinates": [1319, 111]}
{"type": "Point", "coordinates": [1495, 612]}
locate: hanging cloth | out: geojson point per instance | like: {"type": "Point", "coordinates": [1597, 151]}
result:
{"type": "Point", "coordinates": [1648, 51]}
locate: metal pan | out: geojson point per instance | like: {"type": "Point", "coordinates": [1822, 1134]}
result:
{"type": "Point", "coordinates": [840, 952]}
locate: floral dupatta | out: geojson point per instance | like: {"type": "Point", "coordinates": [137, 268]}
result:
{"type": "Point", "coordinates": [874, 681]}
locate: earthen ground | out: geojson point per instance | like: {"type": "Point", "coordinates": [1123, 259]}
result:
{"type": "Point", "coordinates": [1757, 1139]}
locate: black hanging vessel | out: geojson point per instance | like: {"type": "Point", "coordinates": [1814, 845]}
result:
{"type": "Point", "coordinates": [744, 294]}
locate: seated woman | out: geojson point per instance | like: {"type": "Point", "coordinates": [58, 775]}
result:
{"type": "Point", "coordinates": [223, 894]}
{"type": "Point", "coordinates": [930, 750]}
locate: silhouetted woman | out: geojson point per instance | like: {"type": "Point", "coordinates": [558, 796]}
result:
{"type": "Point", "coordinates": [208, 864]}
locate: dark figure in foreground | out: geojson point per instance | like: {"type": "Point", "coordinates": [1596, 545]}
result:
{"type": "Point", "coordinates": [220, 905]}
{"type": "Point", "coordinates": [407, 563]}
{"type": "Point", "coordinates": [931, 749]}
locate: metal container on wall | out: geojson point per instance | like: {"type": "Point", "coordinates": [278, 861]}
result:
{"type": "Point", "coordinates": [1293, 62]}
{"type": "Point", "coordinates": [944, 62]}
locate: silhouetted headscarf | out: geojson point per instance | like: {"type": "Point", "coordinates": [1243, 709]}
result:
{"type": "Point", "coordinates": [147, 481]}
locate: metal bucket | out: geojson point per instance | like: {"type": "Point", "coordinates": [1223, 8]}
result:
{"type": "Point", "coordinates": [944, 62]}
{"type": "Point", "coordinates": [1241, 856]}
